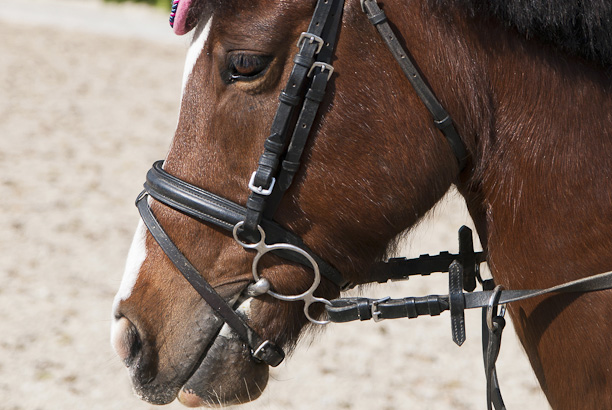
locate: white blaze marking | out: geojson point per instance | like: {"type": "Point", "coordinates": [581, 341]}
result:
{"type": "Point", "coordinates": [195, 50]}
{"type": "Point", "coordinates": [136, 257]}
{"type": "Point", "coordinates": [138, 252]}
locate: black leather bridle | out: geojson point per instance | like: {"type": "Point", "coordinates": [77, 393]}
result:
{"type": "Point", "coordinates": [253, 226]}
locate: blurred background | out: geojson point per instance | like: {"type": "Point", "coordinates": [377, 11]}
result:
{"type": "Point", "coordinates": [89, 98]}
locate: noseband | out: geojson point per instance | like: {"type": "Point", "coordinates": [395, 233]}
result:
{"type": "Point", "coordinates": [253, 226]}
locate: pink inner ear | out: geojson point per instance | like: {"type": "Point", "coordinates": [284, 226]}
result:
{"type": "Point", "coordinates": [180, 20]}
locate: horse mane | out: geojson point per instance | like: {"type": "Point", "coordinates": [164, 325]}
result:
{"type": "Point", "coordinates": [578, 27]}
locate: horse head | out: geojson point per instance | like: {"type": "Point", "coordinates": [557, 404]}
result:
{"type": "Point", "coordinates": [356, 192]}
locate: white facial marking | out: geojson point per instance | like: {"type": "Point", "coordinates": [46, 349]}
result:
{"type": "Point", "coordinates": [195, 50]}
{"type": "Point", "coordinates": [136, 257]}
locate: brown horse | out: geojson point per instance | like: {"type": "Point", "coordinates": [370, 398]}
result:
{"type": "Point", "coordinates": [532, 108]}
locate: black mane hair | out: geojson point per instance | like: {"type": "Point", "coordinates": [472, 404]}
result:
{"type": "Point", "coordinates": [578, 27]}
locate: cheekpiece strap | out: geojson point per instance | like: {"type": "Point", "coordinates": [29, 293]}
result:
{"type": "Point", "coordinates": [287, 141]}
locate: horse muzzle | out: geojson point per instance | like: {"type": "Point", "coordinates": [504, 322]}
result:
{"type": "Point", "coordinates": [207, 366]}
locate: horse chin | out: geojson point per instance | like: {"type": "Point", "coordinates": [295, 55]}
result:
{"type": "Point", "coordinates": [228, 374]}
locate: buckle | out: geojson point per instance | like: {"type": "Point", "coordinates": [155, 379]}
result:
{"type": "Point", "coordinates": [492, 307]}
{"type": "Point", "coordinates": [323, 66]}
{"type": "Point", "coordinates": [374, 309]}
{"type": "Point", "coordinates": [312, 39]}
{"type": "Point", "coordinates": [269, 353]}
{"type": "Point", "coordinates": [259, 189]}
{"type": "Point", "coordinates": [261, 349]}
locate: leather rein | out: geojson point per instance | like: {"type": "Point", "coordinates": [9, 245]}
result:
{"type": "Point", "coordinates": [253, 226]}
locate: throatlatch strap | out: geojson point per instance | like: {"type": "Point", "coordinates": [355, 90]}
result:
{"type": "Point", "coordinates": [263, 350]}
{"type": "Point", "coordinates": [441, 117]}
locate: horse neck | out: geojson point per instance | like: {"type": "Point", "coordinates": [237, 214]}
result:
{"type": "Point", "coordinates": [542, 152]}
{"type": "Point", "coordinates": [534, 121]}
{"type": "Point", "coordinates": [539, 192]}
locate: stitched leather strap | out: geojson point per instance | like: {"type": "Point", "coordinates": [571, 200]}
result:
{"type": "Point", "coordinates": [349, 309]}
{"type": "Point", "coordinates": [314, 97]}
{"type": "Point", "coordinates": [263, 350]}
{"type": "Point", "coordinates": [205, 206]}
{"type": "Point", "coordinates": [319, 41]}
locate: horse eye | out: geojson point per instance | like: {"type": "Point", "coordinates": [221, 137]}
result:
{"type": "Point", "coordinates": [245, 67]}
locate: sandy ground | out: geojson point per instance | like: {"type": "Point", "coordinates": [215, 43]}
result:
{"type": "Point", "coordinates": [89, 98]}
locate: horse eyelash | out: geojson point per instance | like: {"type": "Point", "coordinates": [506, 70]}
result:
{"type": "Point", "coordinates": [258, 64]}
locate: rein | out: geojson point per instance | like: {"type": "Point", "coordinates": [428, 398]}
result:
{"type": "Point", "coordinates": [253, 226]}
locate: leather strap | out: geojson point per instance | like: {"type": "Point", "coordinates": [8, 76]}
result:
{"type": "Point", "coordinates": [223, 213]}
{"type": "Point", "coordinates": [456, 302]}
{"type": "Point", "coordinates": [263, 350]}
{"type": "Point", "coordinates": [441, 117]}
{"type": "Point", "coordinates": [318, 41]}
{"type": "Point", "coordinates": [321, 72]}
{"type": "Point", "coordinates": [402, 268]}
{"type": "Point", "coordinates": [357, 308]}
{"type": "Point", "coordinates": [491, 344]}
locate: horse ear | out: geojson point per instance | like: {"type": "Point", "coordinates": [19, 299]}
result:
{"type": "Point", "coordinates": [185, 14]}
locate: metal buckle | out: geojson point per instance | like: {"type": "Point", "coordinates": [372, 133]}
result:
{"type": "Point", "coordinates": [492, 307]}
{"type": "Point", "coordinates": [259, 189]}
{"type": "Point", "coordinates": [260, 349]}
{"type": "Point", "coordinates": [323, 66]}
{"type": "Point", "coordinates": [374, 309]}
{"type": "Point", "coordinates": [312, 39]}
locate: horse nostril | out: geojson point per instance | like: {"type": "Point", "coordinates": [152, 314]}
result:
{"type": "Point", "coordinates": [126, 340]}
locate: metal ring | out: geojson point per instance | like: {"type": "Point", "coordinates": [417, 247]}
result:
{"type": "Point", "coordinates": [493, 303]}
{"type": "Point", "coordinates": [256, 245]}
{"type": "Point", "coordinates": [285, 246]}
{"type": "Point", "coordinates": [308, 303]}
{"type": "Point", "coordinates": [262, 248]}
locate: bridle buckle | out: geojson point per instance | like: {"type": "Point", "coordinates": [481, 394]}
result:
{"type": "Point", "coordinates": [312, 39]}
{"type": "Point", "coordinates": [374, 309]}
{"type": "Point", "coordinates": [260, 189]}
{"type": "Point", "coordinates": [323, 67]}
{"type": "Point", "coordinates": [261, 350]}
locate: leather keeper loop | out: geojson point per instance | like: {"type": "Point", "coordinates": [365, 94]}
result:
{"type": "Point", "coordinates": [292, 100]}
{"type": "Point", "coordinates": [256, 203]}
{"type": "Point", "coordinates": [303, 61]}
{"type": "Point", "coordinates": [268, 159]}
{"type": "Point", "coordinates": [433, 305]}
{"type": "Point", "coordinates": [291, 166]}
{"type": "Point", "coordinates": [273, 146]}
{"type": "Point", "coordinates": [378, 18]}
{"type": "Point", "coordinates": [410, 306]}
{"type": "Point", "coordinates": [315, 95]}
{"type": "Point", "coordinates": [363, 310]}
